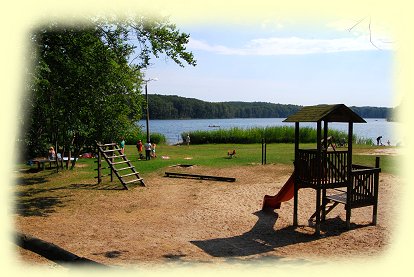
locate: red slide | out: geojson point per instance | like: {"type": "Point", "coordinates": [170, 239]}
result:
{"type": "Point", "coordinates": [285, 194]}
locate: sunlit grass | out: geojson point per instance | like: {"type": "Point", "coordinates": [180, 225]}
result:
{"type": "Point", "coordinates": [211, 155]}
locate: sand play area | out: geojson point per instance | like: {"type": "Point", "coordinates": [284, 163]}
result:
{"type": "Point", "coordinates": [185, 221]}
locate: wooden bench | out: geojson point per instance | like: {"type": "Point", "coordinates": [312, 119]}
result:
{"type": "Point", "coordinates": [41, 163]}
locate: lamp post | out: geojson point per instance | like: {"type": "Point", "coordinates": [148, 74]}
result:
{"type": "Point", "coordinates": [147, 110]}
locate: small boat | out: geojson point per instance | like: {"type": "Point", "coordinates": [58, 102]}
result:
{"type": "Point", "coordinates": [214, 126]}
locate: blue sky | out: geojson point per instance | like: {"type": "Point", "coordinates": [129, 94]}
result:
{"type": "Point", "coordinates": [282, 61]}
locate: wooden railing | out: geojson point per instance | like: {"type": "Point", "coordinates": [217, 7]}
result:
{"type": "Point", "coordinates": [331, 170]}
{"type": "Point", "coordinates": [363, 188]}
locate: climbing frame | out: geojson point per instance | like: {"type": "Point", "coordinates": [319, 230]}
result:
{"type": "Point", "coordinates": [118, 164]}
{"type": "Point", "coordinates": [329, 170]}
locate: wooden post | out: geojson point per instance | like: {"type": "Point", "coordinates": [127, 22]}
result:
{"type": "Point", "coordinates": [99, 167]}
{"type": "Point", "coordinates": [318, 179]}
{"type": "Point", "coordinates": [376, 183]}
{"type": "Point", "coordinates": [56, 156]}
{"type": "Point", "coordinates": [325, 134]}
{"type": "Point", "coordinates": [325, 146]}
{"type": "Point", "coordinates": [264, 150]}
{"type": "Point", "coordinates": [112, 160]}
{"type": "Point", "coordinates": [296, 185]}
{"type": "Point", "coordinates": [349, 177]}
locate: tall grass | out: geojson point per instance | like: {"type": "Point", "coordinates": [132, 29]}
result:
{"type": "Point", "coordinates": [274, 134]}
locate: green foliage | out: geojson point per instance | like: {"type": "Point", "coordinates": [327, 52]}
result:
{"type": "Point", "coordinates": [136, 134]}
{"type": "Point", "coordinates": [158, 138]}
{"type": "Point", "coordinates": [372, 112]}
{"type": "Point", "coordinates": [275, 134]}
{"type": "Point", "coordinates": [83, 86]}
{"type": "Point", "coordinates": [155, 35]}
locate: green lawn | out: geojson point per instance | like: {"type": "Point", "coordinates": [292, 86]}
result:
{"type": "Point", "coordinates": [215, 155]}
{"type": "Point", "coordinates": [211, 155]}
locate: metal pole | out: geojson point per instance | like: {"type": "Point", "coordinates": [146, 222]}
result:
{"type": "Point", "coordinates": [262, 151]}
{"type": "Point", "coordinates": [146, 97]}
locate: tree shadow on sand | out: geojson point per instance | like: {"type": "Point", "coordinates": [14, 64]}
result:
{"type": "Point", "coordinates": [263, 238]}
{"type": "Point", "coordinates": [96, 186]}
{"type": "Point", "coordinates": [38, 206]}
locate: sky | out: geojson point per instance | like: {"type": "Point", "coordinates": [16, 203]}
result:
{"type": "Point", "coordinates": [305, 62]}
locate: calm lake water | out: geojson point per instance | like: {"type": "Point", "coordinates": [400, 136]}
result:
{"type": "Point", "coordinates": [172, 129]}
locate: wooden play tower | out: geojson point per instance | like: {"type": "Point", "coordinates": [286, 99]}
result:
{"type": "Point", "coordinates": [327, 169]}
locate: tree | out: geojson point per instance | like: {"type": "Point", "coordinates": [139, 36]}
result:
{"type": "Point", "coordinates": [85, 83]}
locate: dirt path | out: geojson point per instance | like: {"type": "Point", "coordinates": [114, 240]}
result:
{"type": "Point", "coordinates": [193, 221]}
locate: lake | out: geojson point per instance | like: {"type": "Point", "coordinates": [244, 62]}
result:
{"type": "Point", "coordinates": [173, 128]}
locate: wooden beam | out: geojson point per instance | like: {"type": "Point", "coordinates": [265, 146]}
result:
{"type": "Point", "coordinates": [296, 185]}
{"type": "Point", "coordinates": [198, 176]}
{"type": "Point", "coordinates": [52, 252]}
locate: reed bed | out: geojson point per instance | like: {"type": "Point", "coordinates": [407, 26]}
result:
{"type": "Point", "coordinates": [274, 134]}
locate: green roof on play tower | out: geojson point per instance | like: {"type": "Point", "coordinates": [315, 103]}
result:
{"type": "Point", "coordinates": [329, 113]}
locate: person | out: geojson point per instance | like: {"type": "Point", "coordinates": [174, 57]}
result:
{"type": "Point", "coordinates": [153, 150]}
{"type": "Point", "coordinates": [342, 142]}
{"type": "Point", "coordinates": [379, 140]}
{"type": "Point", "coordinates": [139, 148]}
{"type": "Point", "coordinates": [122, 145]}
{"type": "Point", "coordinates": [147, 147]}
{"type": "Point", "coordinates": [52, 153]}
{"type": "Point", "coordinates": [187, 139]}
{"type": "Point", "coordinates": [389, 142]}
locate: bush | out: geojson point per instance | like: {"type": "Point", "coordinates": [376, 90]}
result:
{"type": "Point", "coordinates": [154, 137]}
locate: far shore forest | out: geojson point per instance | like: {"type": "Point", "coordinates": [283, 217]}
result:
{"type": "Point", "coordinates": [177, 107]}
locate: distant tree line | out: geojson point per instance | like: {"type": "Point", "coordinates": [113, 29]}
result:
{"type": "Point", "coordinates": [177, 107]}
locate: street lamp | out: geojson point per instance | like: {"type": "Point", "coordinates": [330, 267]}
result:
{"type": "Point", "coordinates": [147, 110]}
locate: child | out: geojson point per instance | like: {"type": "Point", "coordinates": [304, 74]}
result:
{"type": "Point", "coordinates": [139, 148]}
{"type": "Point", "coordinates": [122, 145]}
{"type": "Point", "coordinates": [153, 150]}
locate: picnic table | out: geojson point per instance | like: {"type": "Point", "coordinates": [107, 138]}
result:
{"type": "Point", "coordinates": [41, 162]}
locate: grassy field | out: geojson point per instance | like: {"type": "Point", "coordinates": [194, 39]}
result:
{"type": "Point", "coordinates": [209, 155]}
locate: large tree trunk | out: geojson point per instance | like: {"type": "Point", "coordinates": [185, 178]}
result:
{"type": "Point", "coordinates": [77, 150]}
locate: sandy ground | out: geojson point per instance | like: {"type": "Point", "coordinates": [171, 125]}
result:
{"type": "Point", "coordinates": [185, 221]}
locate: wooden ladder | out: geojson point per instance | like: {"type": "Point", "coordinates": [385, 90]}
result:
{"type": "Point", "coordinates": [329, 206]}
{"type": "Point", "coordinates": [118, 163]}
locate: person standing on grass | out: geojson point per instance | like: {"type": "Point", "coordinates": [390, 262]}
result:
{"type": "Point", "coordinates": [147, 147]}
{"type": "Point", "coordinates": [122, 145]}
{"type": "Point", "coordinates": [153, 154]}
{"type": "Point", "coordinates": [139, 148]}
{"type": "Point", "coordinates": [187, 139]}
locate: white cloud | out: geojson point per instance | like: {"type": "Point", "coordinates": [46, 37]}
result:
{"type": "Point", "coordinates": [293, 46]}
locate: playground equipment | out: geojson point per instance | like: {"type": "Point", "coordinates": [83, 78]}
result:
{"type": "Point", "coordinates": [326, 169]}
{"type": "Point", "coordinates": [285, 194]}
{"type": "Point", "coordinates": [114, 157]}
